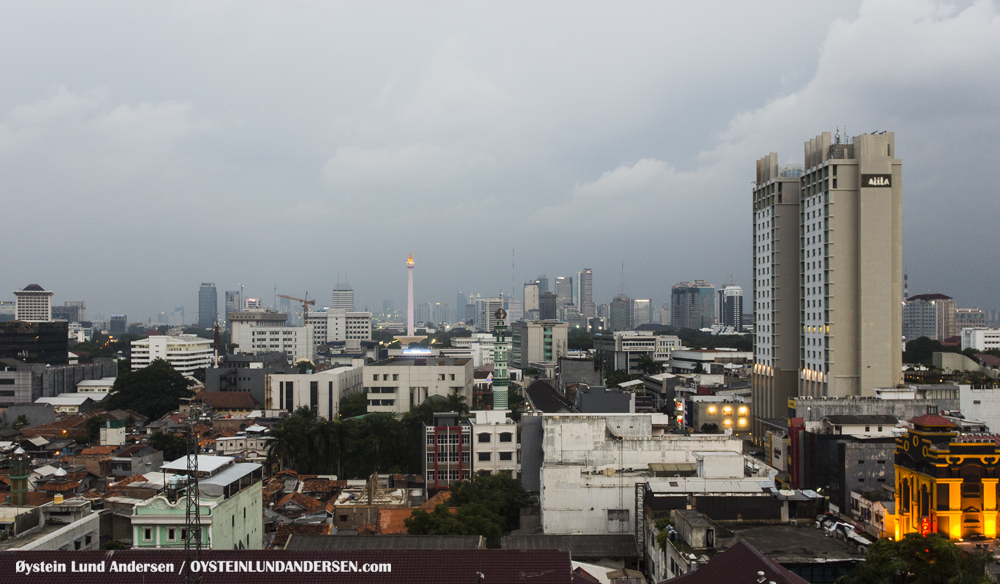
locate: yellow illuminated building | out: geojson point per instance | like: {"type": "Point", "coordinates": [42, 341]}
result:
{"type": "Point", "coordinates": [946, 483]}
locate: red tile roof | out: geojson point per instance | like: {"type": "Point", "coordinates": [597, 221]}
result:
{"type": "Point", "coordinates": [440, 499]}
{"type": "Point", "coordinates": [35, 498]}
{"type": "Point", "coordinates": [95, 450]}
{"type": "Point", "coordinates": [308, 503]}
{"type": "Point", "coordinates": [392, 521]}
{"type": "Point", "coordinates": [59, 487]}
{"type": "Point", "coordinates": [285, 530]}
{"type": "Point", "coordinates": [120, 485]}
{"type": "Point", "coordinates": [322, 485]}
{"type": "Point", "coordinates": [931, 420]}
{"type": "Point", "coordinates": [228, 400]}
{"type": "Point", "coordinates": [739, 565]}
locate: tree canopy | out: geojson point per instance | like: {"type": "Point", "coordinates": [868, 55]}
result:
{"type": "Point", "coordinates": [488, 505]}
{"type": "Point", "coordinates": [918, 559]}
{"type": "Point", "coordinates": [172, 446]}
{"type": "Point", "coordinates": [152, 391]}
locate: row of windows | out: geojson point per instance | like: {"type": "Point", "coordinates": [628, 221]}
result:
{"type": "Point", "coordinates": [504, 437]}
{"type": "Point", "coordinates": [485, 456]}
{"type": "Point", "coordinates": [447, 475]}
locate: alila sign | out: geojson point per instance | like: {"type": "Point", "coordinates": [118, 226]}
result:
{"type": "Point", "coordinates": [876, 180]}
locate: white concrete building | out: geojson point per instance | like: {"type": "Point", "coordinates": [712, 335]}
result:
{"type": "Point", "coordinates": [250, 445]}
{"type": "Point", "coordinates": [296, 342]}
{"type": "Point", "coordinates": [397, 383]}
{"type": "Point", "coordinates": [33, 304]}
{"type": "Point", "coordinates": [480, 347]}
{"type": "Point", "coordinates": [320, 391]}
{"type": "Point", "coordinates": [980, 404]}
{"type": "Point", "coordinates": [981, 339]}
{"type": "Point", "coordinates": [186, 353]}
{"type": "Point", "coordinates": [72, 403]}
{"type": "Point", "coordinates": [102, 385]}
{"type": "Point", "coordinates": [494, 442]}
{"type": "Point", "coordinates": [592, 463]}
{"type": "Point", "coordinates": [341, 325]}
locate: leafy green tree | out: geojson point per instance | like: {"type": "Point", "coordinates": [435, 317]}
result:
{"type": "Point", "coordinates": [171, 445]}
{"type": "Point", "coordinates": [152, 391]}
{"type": "Point", "coordinates": [500, 493]}
{"type": "Point", "coordinates": [20, 422]}
{"type": "Point", "coordinates": [114, 544]}
{"type": "Point", "coordinates": [580, 341]}
{"type": "Point", "coordinates": [304, 365]}
{"type": "Point", "coordinates": [921, 350]}
{"type": "Point", "coordinates": [917, 559]}
{"type": "Point", "coordinates": [648, 365]}
{"type": "Point", "coordinates": [474, 519]}
{"type": "Point", "coordinates": [353, 405]}
{"type": "Point", "coordinates": [710, 429]}
{"type": "Point", "coordinates": [93, 427]}
{"type": "Point", "coordinates": [616, 377]}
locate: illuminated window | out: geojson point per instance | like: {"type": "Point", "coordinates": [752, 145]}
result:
{"type": "Point", "coordinates": [712, 409]}
{"type": "Point", "coordinates": [727, 422]}
{"type": "Point", "coordinates": [742, 422]}
{"type": "Point", "coordinates": [742, 410]}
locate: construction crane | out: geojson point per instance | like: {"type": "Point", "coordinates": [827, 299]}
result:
{"type": "Point", "coordinates": [305, 305]}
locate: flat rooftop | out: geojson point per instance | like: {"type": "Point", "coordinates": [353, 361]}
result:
{"type": "Point", "coordinates": [209, 464]}
{"type": "Point", "coordinates": [422, 362]}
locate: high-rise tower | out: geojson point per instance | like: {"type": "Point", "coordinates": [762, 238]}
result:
{"type": "Point", "coordinates": [828, 272]}
{"type": "Point", "coordinates": [208, 305]}
{"type": "Point", "coordinates": [409, 296]}
{"type": "Point", "coordinates": [33, 304]}
{"type": "Point", "coordinates": [586, 278]}
{"type": "Point", "coordinates": [342, 297]}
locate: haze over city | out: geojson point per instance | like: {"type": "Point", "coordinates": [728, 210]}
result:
{"type": "Point", "coordinates": [148, 148]}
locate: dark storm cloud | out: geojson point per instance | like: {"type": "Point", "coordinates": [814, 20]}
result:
{"type": "Point", "coordinates": [145, 149]}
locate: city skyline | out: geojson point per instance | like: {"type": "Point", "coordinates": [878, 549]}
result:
{"type": "Point", "coordinates": [460, 115]}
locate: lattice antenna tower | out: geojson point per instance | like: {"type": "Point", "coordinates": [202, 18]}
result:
{"type": "Point", "coordinates": [192, 512]}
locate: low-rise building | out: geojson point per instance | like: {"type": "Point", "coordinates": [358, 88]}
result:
{"type": "Point", "coordinates": [981, 338]}
{"type": "Point", "coordinates": [230, 499]}
{"type": "Point", "coordinates": [448, 451]}
{"type": "Point", "coordinates": [73, 403]}
{"type": "Point", "coordinates": [722, 412]}
{"type": "Point", "coordinates": [592, 464]}
{"type": "Point", "coordinates": [231, 404]}
{"type": "Point", "coordinates": [494, 442]}
{"type": "Point", "coordinates": [185, 353]}
{"type": "Point", "coordinates": [102, 385]}
{"type": "Point", "coordinates": [250, 445]}
{"type": "Point", "coordinates": [396, 384]}
{"type": "Point", "coordinates": [319, 391]}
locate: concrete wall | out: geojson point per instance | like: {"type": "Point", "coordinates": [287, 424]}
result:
{"type": "Point", "coordinates": [815, 409]}
{"type": "Point", "coordinates": [980, 404]}
{"type": "Point", "coordinates": [577, 371]}
{"type": "Point", "coordinates": [531, 452]}
{"type": "Point", "coordinates": [67, 538]}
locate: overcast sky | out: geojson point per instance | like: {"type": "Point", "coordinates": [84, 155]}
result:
{"type": "Point", "coordinates": [148, 147]}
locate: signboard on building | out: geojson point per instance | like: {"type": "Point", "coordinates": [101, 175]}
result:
{"type": "Point", "coordinates": [876, 180]}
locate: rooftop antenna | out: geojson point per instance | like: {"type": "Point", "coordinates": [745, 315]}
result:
{"type": "Point", "coordinates": [623, 277]}
{"type": "Point", "coordinates": [513, 285]}
{"type": "Point", "coordinates": [192, 513]}
{"type": "Point", "coordinates": [836, 139]}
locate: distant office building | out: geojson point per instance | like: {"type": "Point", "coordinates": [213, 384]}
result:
{"type": "Point", "coordinates": [515, 310]}
{"type": "Point", "coordinates": [185, 353]}
{"type": "Point", "coordinates": [234, 302]}
{"type": "Point", "coordinates": [586, 278]}
{"type": "Point", "coordinates": [539, 341]}
{"type": "Point", "coordinates": [340, 325]}
{"type": "Point", "coordinates": [692, 305]}
{"type": "Point", "coordinates": [34, 304]}
{"type": "Point", "coordinates": [488, 319]}
{"type": "Point", "coordinates": [664, 313]}
{"type": "Point", "coordinates": [621, 313]}
{"type": "Point", "coordinates": [992, 317]}
{"type": "Point", "coordinates": [547, 306]}
{"type": "Point", "coordinates": [531, 297]}
{"type": "Point", "coordinates": [731, 307]}
{"type": "Point", "coordinates": [177, 316]}
{"type": "Point", "coordinates": [929, 315]}
{"type": "Point", "coordinates": [422, 312]}
{"type": "Point", "coordinates": [35, 342]}
{"type": "Point", "coordinates": [71, 311]}
{"type": "Point", "coordinates": [441, 313]}
{"type": "Point", "coordinates": [7, 310]}
{"type": "Point", "coordinates": [981, 339]}
{"type": "Point", "coordinates": [208, 305]}
{"type": "Point", "coordinates": [118, 325]}
{"type": "Point", "coordinates": [572, 317]}
{"type": "Point", "coordinates": [343, 297]}
{"type": "Point", "coordinates": [969, 318]}
{"type": "Point", "coordinates": [543, 283]}
{"type": "Point", "coordinates": [642, 312]}
{"type": "Point", "coordinates": [460, 302]}
{"type": "Point", "coordinates": [564, 291]}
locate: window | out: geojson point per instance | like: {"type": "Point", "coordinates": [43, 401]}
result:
{"type": "Point", "coordinates": [453, 377]}
{"type": "Point", "coordinates": [171, 534]}
{"type": "Point", "coordinates": [147, 534]}
{"type": "Point", "coordinates": [484, 437]}
{"type": "Point", "coordinates": [395, 376]}
{"type": "Point", "coordinates": [617, 514]}
{"type": "Point", "coordinates": [343, 517]}
{"type": "Point", "coordinates": [484, 457]}
{"type": "Point", "coordinates": [506, 437]}
{"type": "Point", "coordinates": [506, 456]}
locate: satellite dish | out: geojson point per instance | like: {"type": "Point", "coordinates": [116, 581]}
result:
{"type": "Point", "coordinates": [609, 472]}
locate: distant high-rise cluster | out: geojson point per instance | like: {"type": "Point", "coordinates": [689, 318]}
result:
{"type": "Point", "coordinates": [692, 305]}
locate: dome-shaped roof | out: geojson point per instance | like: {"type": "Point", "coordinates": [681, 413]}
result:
{"type": "Point", "coordinates": [34, 288]}
{"type": "Point", "coordinates": [60, 472]}
{"type": "Point", "coordinates": [19, 450]}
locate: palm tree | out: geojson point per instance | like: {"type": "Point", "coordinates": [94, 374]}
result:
{"type": "Point", "coordinates": [456, 403]}
{"type": "Point", "coordinates": [648, 366]}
